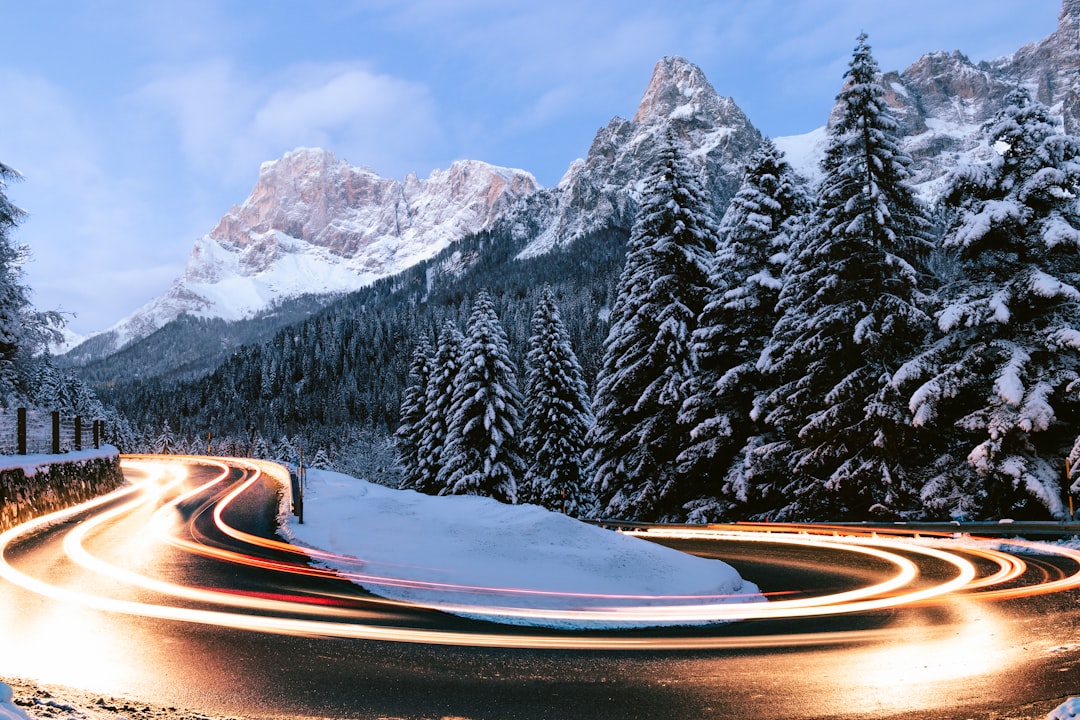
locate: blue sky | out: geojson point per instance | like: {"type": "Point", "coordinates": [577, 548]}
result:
{"type": "Point", "coordinates": [138, 124]}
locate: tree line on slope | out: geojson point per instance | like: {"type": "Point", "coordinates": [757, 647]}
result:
{"type": "Point", "coordinates": [335, 381]}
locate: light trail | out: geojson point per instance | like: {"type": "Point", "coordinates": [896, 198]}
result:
{"type": "Point", "coordinates": [154, 504]}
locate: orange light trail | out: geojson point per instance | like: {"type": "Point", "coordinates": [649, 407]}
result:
{"type": "Point", "coordinates": [158, 492]}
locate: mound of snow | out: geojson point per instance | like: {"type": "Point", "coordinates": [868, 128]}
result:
{"type": "Point", "coordinates": [8, 709]}
{"type": "Point", "coordinates": [469, 555]}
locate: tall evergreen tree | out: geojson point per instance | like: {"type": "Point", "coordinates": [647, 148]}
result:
{"type": "Point", "coordinates": [636, 439]}
{"type": "Point", "coordinates": [849, 317]}
{"type": "Point", "coordinates": [558, 414]}
{"type": "Point", "coordinates": [481, 455]}
{"type": "Point", "coordinates": [1003, 381]}
{"type": "Point", "coordinates": [24, 331]}
{"type": "Point", "coordinates": [413, 412]}
{"type": "Point", "coordinates": [735, 326]}
{"type": "Point", "coordinates": [165, 442]}
{"type": "Point", "coordinates": [432, 432]}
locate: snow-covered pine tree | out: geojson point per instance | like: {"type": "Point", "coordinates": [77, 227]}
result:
{"type": "Point", "coordinates": [558, 414]}
{"type": "Point", "coordinates": [849, 318]}
{"type": "Point", "coordinates": [165, 442]}
{"type": "Point", "coordinates": [481, 455]}
{"type": "Point", "coordinates": [287, 452]}
{"type": "Point", "coordinates": [24, 331]}
{"type": "Point", "coordinates": [321, 461]}
{"type": "Point", "coordinates": [646, 363]}
{"type": "Point", "coordinates": [413, 412]}
{"type": "Point", "coordinates": [1002, 384]}
{"type": "Point", "coordinates": [260, 449]}
{"type": "Point", "coordinates": [734, 327]}
{"type": "Point", "coordinates": [431, 435]}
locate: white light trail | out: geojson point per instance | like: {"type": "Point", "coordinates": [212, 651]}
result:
{"type": "Point", "coordinates": [339, 614]}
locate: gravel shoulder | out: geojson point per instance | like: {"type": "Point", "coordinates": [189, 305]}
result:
{"type": "Point", "coordinates": [49, 702]}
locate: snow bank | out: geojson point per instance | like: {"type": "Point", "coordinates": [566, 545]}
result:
{"type": "Point", "coordinates": [8, 709]}
{"type": "Point", "coordinates": [1068, 710]}
{"type": "Point", "coordinates": [547, 560]}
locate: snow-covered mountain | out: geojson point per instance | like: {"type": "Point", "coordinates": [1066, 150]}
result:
{"type": "Point", "coordinates": [604, 188]}
{"type": "Point", "coordinates": [313, 224]}
{"type": "Point", "coordinates": [943, 99]}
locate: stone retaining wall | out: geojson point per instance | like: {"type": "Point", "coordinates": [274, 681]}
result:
{"type": "Point", "coordinates": [56, 482]}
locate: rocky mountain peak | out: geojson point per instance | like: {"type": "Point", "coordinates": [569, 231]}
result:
{"type": "Point", "coordinates": [1052, 67]}
{"type": "Point", "coordinates": [604, 189]}
{"type": "Point", "coordinates": [1069, 15]}
{"type": "Point", "coordinates": [314, 224]}
{"type": "Point", "coordinates": [678, 88]}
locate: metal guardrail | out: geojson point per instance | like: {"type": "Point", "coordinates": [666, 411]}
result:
{"type": "Point", "coordinates": [1001, 528]}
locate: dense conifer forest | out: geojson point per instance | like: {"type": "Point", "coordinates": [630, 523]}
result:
{"type": "Point", "coordinates": [345, 368]}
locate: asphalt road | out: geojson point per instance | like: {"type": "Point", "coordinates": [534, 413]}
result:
{"type": "Point", "coordinates": [961, 656]}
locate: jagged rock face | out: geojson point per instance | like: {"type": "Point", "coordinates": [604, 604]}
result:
{"type": "Point", "coordinates": [315, 224]}
{"type": "Point", "coordinates": [604, 189]}
{"type": "Point", "coordinates": [943, 99]}
{"type": "Point", "coordinates": [312, 197]}
{"type": "Point", "coordinates": [1052, 66]}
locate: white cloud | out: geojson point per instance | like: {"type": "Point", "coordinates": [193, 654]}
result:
{"type": "Point", "coordinates": [229, 122]}
{"type": "Point", "coordinates": [83, 216]}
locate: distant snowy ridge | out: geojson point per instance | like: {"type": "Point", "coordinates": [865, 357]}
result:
{"type": "Point", "coordinates": [942, 100]}
{"type": "Point", "coordinates": [314, 224]}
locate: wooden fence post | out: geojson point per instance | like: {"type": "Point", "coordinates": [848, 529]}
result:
{"type": "Point", "coordinates": [20, 423]}
{"type": "Point", "coordinates": [97, 434]}
{"type": "Point", "coordinates": [56, 432]}
{"type": "Point", "coordinates": [78, 433]}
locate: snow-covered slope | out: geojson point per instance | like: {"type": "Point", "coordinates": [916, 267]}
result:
{"type": "Point", "coordinates": [315, 224]}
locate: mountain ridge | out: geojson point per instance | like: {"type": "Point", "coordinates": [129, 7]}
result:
{"type": "Point", "coordinates": [313, 224]}
{"type": "Point", "coordinates": [941, 101]}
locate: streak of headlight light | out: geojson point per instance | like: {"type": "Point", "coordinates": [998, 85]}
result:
{"type": "Point", "coordinates": [73, 547]}
{"type": "Point", "coordinates": [852, 601]}
{"type": "Point", "coordinates": [379, 579]}
{"type": "Point", "coordinates": [1009, 568]}
{"type": "Point", "coordinates": [315, 627]}
{"type": "Point", "coordinates": [674, 613]}
{"type": "Point", "coordinates": [1069, 582]}
{"type": "Point", "coordinates": [682, 613]}
{"type": "Point", "coordinates": [357, 631]}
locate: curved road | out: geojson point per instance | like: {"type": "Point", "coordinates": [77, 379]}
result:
{"type": "Point", "coordinates": [159, 593]}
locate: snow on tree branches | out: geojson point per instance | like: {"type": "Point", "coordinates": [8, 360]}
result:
{"type": "Point", "coordinates": [647, 363]}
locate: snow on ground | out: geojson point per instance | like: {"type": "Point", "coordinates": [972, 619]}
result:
{"type": "Point", "coordinates": [1068, 710]}
{"type": "Point", "coordinates": [23, 700]}
{"type": "Point", "coordinates": [481, 543]}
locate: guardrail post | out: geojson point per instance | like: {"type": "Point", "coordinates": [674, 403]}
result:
{"type": "Point", "coordinates": [20, 423]}
{"type": "Point", "coordinates": [56, 432]}
{"type": "Point", "coordinates": [78, 433]}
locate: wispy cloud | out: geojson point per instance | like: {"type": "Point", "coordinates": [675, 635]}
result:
{"type": "Point", "coordinates": [229, 121]}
